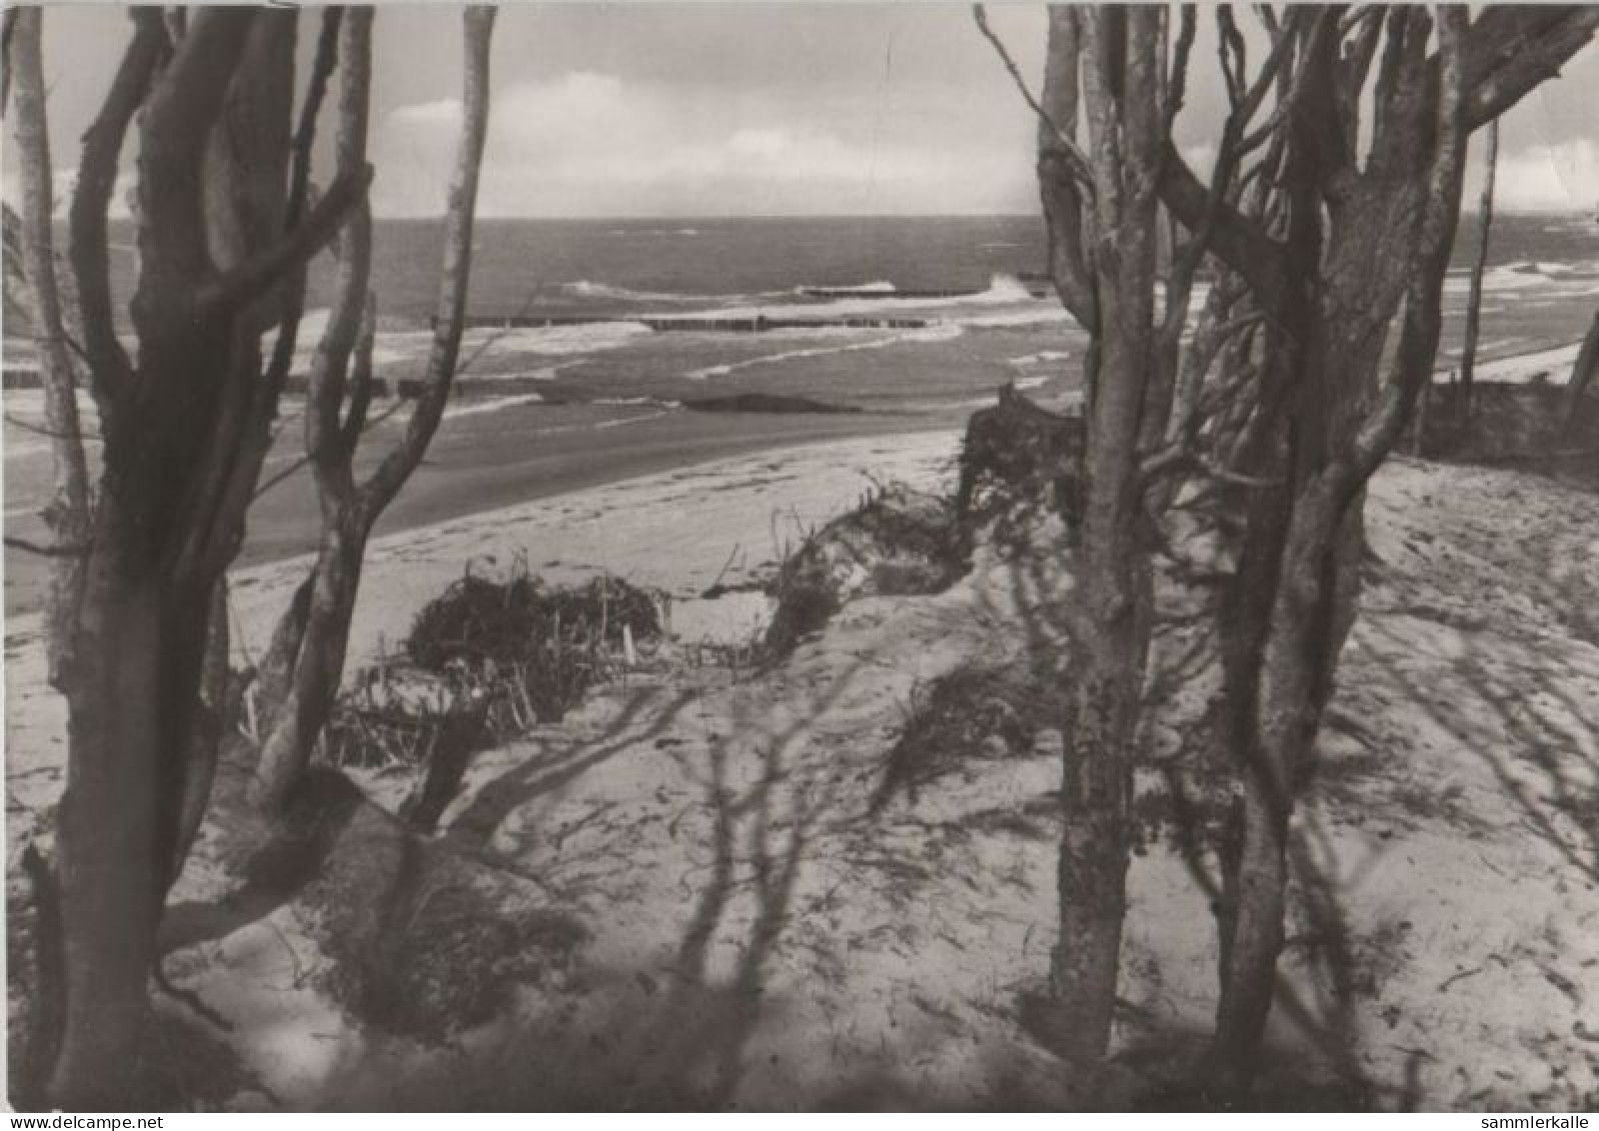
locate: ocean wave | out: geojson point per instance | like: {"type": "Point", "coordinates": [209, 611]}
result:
{"type": "Point", "coordinates": [587, 288]}
{"type": "Point", "coordinates": [624, 421]}
{"type": "Point", "coordinates": [1042, 357]}
{"type": "Point", "coordinates": [1042, 314]}
{"type": "Point", "coordinates": [685, 232]}
{"type": "Point", "coordinates": [635, 402]}
{"type": "Point", "coordinates": [1003, 290]}
{"type": "Point", "coordinates": [542, 373]}
{"type": "Point", "coordinates": [1544, 268]}
{"type": "Point", "coordinates": [880, 287]}
{"type": "Point", "coordinates": [572, 338]}
{"type": "Point", "coordinates": [941, 332]}
{"type": "Point", "coordinates": [493, 404]}
{"type": "Point", "coordinates": [1529, 275]}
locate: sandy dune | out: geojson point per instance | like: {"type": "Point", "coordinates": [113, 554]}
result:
{"type": "Point", "coordinates": [756, 940]}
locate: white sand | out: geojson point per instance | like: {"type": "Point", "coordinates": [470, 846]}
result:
{"type": "Point", "coordinates": [1552, 366]}
{"type": "Point", "coordinates": [1459, 755]}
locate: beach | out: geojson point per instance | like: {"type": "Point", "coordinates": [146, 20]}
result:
{"type": "Point", "coordinates": [724, 520]}
{"type": "Point", "coordinates": [488, 454]}
{"type": "Point", "coordinates": [912, 939]}
{"type": "Point", "coordinates": [750, 932]}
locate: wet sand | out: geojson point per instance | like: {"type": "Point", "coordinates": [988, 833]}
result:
{"type": "Point", "coordinates": [485, 456]}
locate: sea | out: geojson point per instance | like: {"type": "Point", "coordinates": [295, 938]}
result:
{"type": "Point", "coordinates": [597, 345]}
{"type": "Point", "coordinates": [922, 315]}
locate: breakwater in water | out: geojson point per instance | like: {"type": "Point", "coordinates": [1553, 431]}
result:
{"type": "Point", "coordinates": [705, 324]}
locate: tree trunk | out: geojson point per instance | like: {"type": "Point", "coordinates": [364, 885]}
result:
{"type": "Point", "coordinates": [67, 513]}
{"type": "Point", "coordinates": [306, 662]}
{"type": "Point", "coordinates": [169, 515]}
{"type": "Point", "coordinates": [1582, 375]}
{"type": "Point", "coordinates": [1110, 611]}
{"type": "Point", "coordinates": [1308, 611]}
{"type": "Point", "coordinates": [294, 721]}
{"type": "Point", "coordinates": [212, 717]}
{"type": "Point", "coordinates": [1355, 242]}
{"type": "Point", "coordinates": [113, 851]}
{"type": "Point", "coordinates": [1485, 219]}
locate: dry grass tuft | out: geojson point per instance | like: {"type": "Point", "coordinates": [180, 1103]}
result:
{"type": "Point", "coordinates": [975, 712]}
{"type": "Point", "coordinates": [898, 542]}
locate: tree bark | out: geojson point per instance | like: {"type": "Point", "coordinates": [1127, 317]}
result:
{"type": "Point", "coordinates": [1582, 375]}
{"type": "Point", "coordinates": [306, 664]}
{"type": "Point", "coordinates": [1110, 612]}
{"type": "Point", "coordinates": [166, 525]}
{"type": "Point", "coordinates": [296, 719]}
{"type": "Point", "coordinates": [67, 513]}
{"type": "Point", "coordinates": [207, 731]}
{"type": "Point", "coordinates": [1485, 219]}
{"type": "Point", "coordinates": [1360, 243]}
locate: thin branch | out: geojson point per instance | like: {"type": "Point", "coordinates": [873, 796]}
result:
{"type": "Point", "coordinates": [1296, 89]}
{"type": "Point", "coordinates": [14, 543]}
{"type": "Point", "coordinates": [1239, 241]}
{"type": "Point", "coordinates": [303, 461]}
{"type": "Point", "coordinates": [68, 513]}
{"type": "Point", "coordinates": [8, 23]}
{"type": "Point", "coordinates": [326, 58]}
{"type": "Point", "coordinates": [1418, 343]}
{"type": "Point", "coordinates": [1180, 457]}
{"type": "Point", "coordinates": [251, 279]}
{"type": "Point", "coordinates": [39, 430]}
{"type": "Point", "coordinates": [87, 241]}
{"type": "Point", "coordinates": [361, 379]}
{"type": "Point", "coordinates": [1511, 49]}
{"type": "Point", "coordinates": [1177, 83]}
{"type": "Point", "coordinates": [396, 468]}
{"type": "Point", "coordinates": [1060, 191]}
{"type": "Point", "coordinates": [325, 387]}
{"type": "Point", "coordinates": [1233, 53]}
{"type": "Point", "coordinates": [1075, 158]}
{"type": "Point", "coordinates": [359, 420]}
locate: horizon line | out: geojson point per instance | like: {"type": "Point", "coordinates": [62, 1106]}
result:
{"type": "Point", "coordinates": [1499, 210]}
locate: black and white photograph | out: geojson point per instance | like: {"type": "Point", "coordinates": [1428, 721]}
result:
{"type": "Point", "coordinates": [770, 557]}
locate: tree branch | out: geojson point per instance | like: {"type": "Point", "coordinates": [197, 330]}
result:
{"type": "Point", "coordinates": [396, 468]}
{"type": "Point", "coordinates": [1510, 50]}
{"type": "Point", "coordinates": [360, 379]}
{"type": "Point", "coordinates": [1418, 343]}
{"type": "Point", "coordinates": [1240, 243]}
{"type": "Point", "coordinates": [1060, 189]}
{"type": "Point", "coordinates": [1076, 160]}
{"type": "Point", "coordinates": [325, 441]}
{"type": "Point", "coordinates": [28, 547]}
{"type": "Point", "coordinates": [322, 64]}
{"type": "Point", "coordinates": [87, 242]}
{"type": "Point", "coordinates": [177, 121]}
{"type": "Point", "coordinates": [251, 279]}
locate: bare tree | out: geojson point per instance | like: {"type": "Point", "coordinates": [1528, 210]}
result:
{"type": "Point", "coordinates": [1110, 615]}
{"type": "Point", "coordinates": [1485, 220]}
{"type": "Point", "coordinates": [301, 675]}
{"type": "Point", "coordinates": [1357, 241]}
{"type": "Point", "coordinates": [67, 512]}
{"type": "Point", "coordinates": [223, 237]}
{"type": "Point", "coordinates": [1126, 72]}
{"type": "Point", "coordinates": [1278, 395]}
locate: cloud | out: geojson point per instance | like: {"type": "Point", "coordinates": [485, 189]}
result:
{"type": "Point", "coordinates": [588, 143]}
{"type": "Point", "coordinates": [62, 184]}
{"type": "Point", "coordinates": [440, 113]}
{"type": "Point", "coordinates": [1563, 177]}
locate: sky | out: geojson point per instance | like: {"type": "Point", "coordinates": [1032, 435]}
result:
{"type": "Point", "coordinates": [670, 109]}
